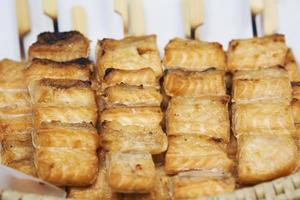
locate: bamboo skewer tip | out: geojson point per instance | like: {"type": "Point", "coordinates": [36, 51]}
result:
{"type": "Point", "coordinates": [256, 6]}
{"type": "Point", "coordinates": [79, 19]}
{"type": "Point", "coordinates": [50, 8]}
{"type": "Point", "coordinates": [23, 18]}
{"type": "Point", "coordinates": [121, 8]}
{"type": "Point", "coordinates": [136, 17]}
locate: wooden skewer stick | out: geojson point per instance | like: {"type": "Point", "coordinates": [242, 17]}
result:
{"type": "Point", "coordinates": [270, 17]}
{"type": "Point", "coordinates": [23, 21]}
{"type": "Point", "coordinates": [121, 7]}
{"type": "Point", "coordinates": [196, 17]}
{"type": "Point", "coordinates": [79, 19]}
{"type": "Point", "coordinates": [256, 7]}
{"type": "Point", "coordinates": [136, 17]}
{"type": "Point", "coordinates": [50, 9]}
{"type": "Point", "coordinates": [186, 18]}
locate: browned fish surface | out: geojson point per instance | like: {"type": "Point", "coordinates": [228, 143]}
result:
{"type": "Point", "coordinates": [131, 53]}
{"type": "Point", "coordinates": [142, 77]}
{"type": "Point", "coordinates": [291, 66]}
{"type": "Point", "coordinates": [191, 152]}
{"type": "Point", "coordinates": [131, 172]}
{"type": "Point", "coordinates": [257, 53]}
{"type": "Point", "coordinates": [132, 138]}
{"type": "Point", "coordinates": [193, 185]}
{"type": "Point", "coordinates": [265, 157]}
{"type": "Point", "coordinates": [60, 46]}
{"type": "Point", "coordinates": [132, 96]}
{"type": "Point", "coordinates": [195, 84]}
{"type": "Point", "coordinates": [271, 83]}
{"type": "Point", "coordinates": [15, 118]}
{"type": "Point", "coordinates": [193, 55]}
{"type": "Point", "coordinates": [199, 116]}
{"type": "Point", "coordinates": [75, 70]}
{"type": "Point", "coordinates": [262, 115]}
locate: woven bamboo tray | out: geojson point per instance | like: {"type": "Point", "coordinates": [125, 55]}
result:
{"type": "Point", "coordinates": [284, 188]}
{"type": "Point", "coordinates": [14, 195]}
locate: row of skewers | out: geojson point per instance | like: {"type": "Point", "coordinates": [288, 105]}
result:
{"type": "Point", "coordinates": [131, 12]}
{"type": "Point", "coordinates": [79, 160]}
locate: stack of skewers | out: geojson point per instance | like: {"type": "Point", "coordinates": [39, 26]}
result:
{"type": "Point", "coordinates": [133, 127]}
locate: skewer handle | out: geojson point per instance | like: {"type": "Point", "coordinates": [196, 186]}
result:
{"type": "Point", "coordinates": [193, 17]}
{"type": "Point", "coordinates": [121, 7]}
{"type": "Point", "coordinates": [136, 17]}
{"type": "Point", "coordinates": [256, 6]}
{"type": "Point", "coordinates": [23, 21]}
{"type": "Point", "coordinates": [186, 18]}
{"type": "Point", "coordinates": [196, 17]}
{"type": "Point", "coordinates": [79, 19]}
{"type": "Point", "coordinates": [50, 9]}
{"type": "Point", "coordinates": [270, 17]}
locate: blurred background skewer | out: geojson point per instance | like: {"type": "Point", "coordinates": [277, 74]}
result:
{"type": "Point", "coordinates": [256, 7]}
{"type": "Point", "coordinates": [23, 21]}
{"type": "Point", "coordinates": [121, 8]}
{"type": "Point", "coordinates": [136, 17]}
{"type": "Point", "coordinates": [50, 9]}
{"type": "Point", "coordinates": [79, 19]}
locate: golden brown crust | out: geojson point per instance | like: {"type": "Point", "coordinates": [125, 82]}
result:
{"type": "Point", "coordinates": [297, 141]}
{"type": "Point", "coordinates": [14, 99]}
{"type": "Point", "coordinates": [256, 53]}
{"type": "Point", "coordinates": [271, 83]}
{"type": "Point", "coordinates": [66, 166]}
{"type": "Point", "coordinates": [161, 190]}
{"type": "Point", "coordinates": [296, 90]}
{"type": "Point", "coordinates": [64, 114]}
{"type": "Point", "coordinates": [162, 186]}
{"type": "Point", "coordinates": [16, 147]}
{"type": "Point", "coordinates": [265, 157]}
{"type": "Point", "coordinates": [193, 55]}
{"type": "Point", "coordinates": [291, 66]}
{"type": "Point", "coordinates": [130, 138]}
{"type": "Point", "coordinates": [191, 152]}
{"type": "Point", "coordinates": [15, 118]}
{"type": "Point", "coordinates": [76, 70]}
{"type": "Point", "coordinates": [59, 92]}
{"type": "Point", "coordinates": [25, 166]}
{"type": "Point", "coordinates": [142, 77]}
{"type": "Point", "coordinates": [140, 116]}
{"type": "Point", "coordinates": [296, 110]}
{"type": "Point", "coordinates": [12, 112]}
{"type": "Point", "coordinates": [60, 46]}
{"type": "Point", "coordinates": [11, 75]}
{"type": "Point", "coordinates": [296, 102]}
{"type": "Point", "coordinates": [11, 124]}
{"type": "Point", "coordinates": [262, 115]}
{"type": "Point", "coordinates": [199, 116]}
{"type": "Point", "coordinates": [131, 53]}
{"type": "Point", "coordinates": [191, 186]}
{"type": "Point", "coordinates": [59, 135]}
{"type": "Point", "coordinates": [131, 172]}
{"type": "Point", "coordinates": [99, 190]}
{"type": "Point", "coordinates": [122, 95]}
{"type": "Point", "coordinates": [195, 84]}
{"type": "Point", "coordinates": [17, 150]}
